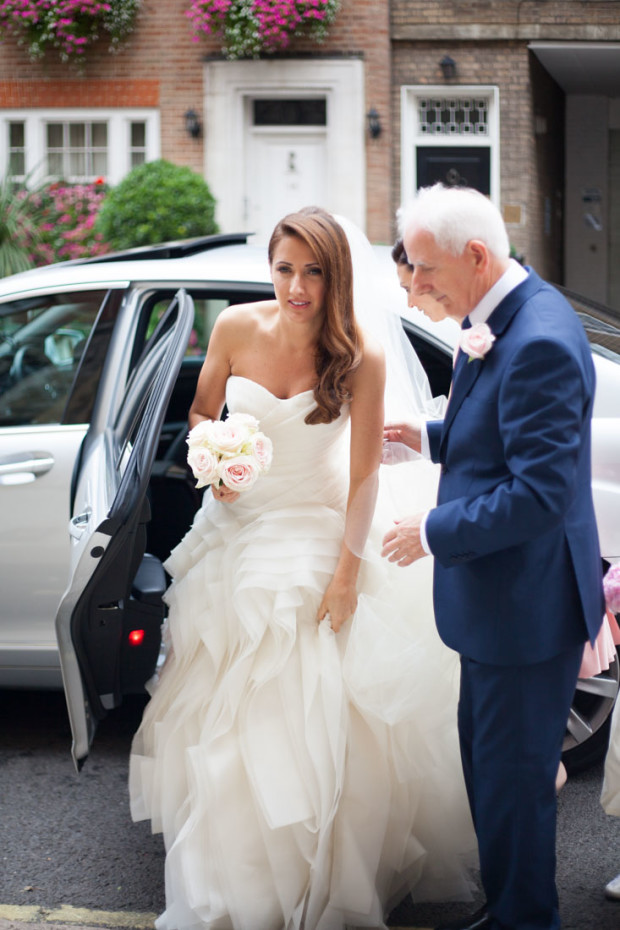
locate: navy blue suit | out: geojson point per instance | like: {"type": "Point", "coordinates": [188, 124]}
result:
{"type": "Point", "coordinates": [517, 584]}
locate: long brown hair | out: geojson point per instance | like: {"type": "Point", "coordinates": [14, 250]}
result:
{"type": "Point", "coordinates": [339, 347]}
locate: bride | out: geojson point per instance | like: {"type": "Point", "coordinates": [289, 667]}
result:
{"type": "Point", "coordinates": [299, 750]}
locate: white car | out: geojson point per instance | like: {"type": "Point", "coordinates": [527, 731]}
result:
{"type": "Point", "coordinates": [98, 366]}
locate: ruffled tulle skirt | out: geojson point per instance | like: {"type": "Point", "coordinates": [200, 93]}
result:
{"type": "Point", "coordinates": [302, 779]}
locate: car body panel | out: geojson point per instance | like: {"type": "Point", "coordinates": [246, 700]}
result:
{"type": "Point", "coordinates": [34, 534]}
{"type": "Point", "coordinates": [606, 483]}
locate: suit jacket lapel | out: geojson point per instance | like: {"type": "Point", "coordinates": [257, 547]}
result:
{"type": "Point", "coordinates": [466, 372]}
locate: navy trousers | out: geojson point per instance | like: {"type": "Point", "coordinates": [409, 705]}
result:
{"type": "Point", "coordinates": [512, 721]}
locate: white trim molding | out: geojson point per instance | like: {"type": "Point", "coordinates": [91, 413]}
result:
{"type": "Point", "coordinates": [413, 136]}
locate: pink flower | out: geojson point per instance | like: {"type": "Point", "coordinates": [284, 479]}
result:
{"type": "Point", "coordinates": [611, 587]}
{"type": "Point", "coordinates": [476, 341]}
{"type": "Point", "coordinates": [204, 465]}
{"type": "Point", "coordinates": [262, 450]}
{"type": "Point", "coordinates": [239, 473]}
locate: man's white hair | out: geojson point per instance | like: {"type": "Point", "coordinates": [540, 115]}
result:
{"type": "Point", "coordinates": [454, 216]}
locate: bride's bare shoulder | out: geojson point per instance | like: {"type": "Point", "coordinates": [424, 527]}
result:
{"type": "Point", "coordinates": [241, 321]}
{"type": "Point", "coordinates": [250, 314]}
{"type": "Point", "coordinates": [368, 379]}
{"type": "Point", "coordinates": [373, 356]}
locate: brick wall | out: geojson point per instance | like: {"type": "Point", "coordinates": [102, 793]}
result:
{"type": "Point", "coordinates": [161, 66]}
{"type": "Point", "coordinates": [505, 66]}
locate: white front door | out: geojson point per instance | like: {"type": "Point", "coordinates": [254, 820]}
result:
{"type": "Point", "coordinates": [249, 139]}
{"type": "Point", "coordinates": [285, 170]}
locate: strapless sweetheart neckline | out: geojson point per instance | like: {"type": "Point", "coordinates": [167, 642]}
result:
{"type": "Point", "coordinates": [271, 394]}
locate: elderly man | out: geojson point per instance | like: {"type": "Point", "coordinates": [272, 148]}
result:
{"type": "Point", "coordinates": [517, 585]}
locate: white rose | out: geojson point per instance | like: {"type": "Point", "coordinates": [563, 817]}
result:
{"type": "Point", "coordinates": [243, 419]}
{"type": "Point", "coordinates": [228, 438]}
{"type": "Point", "coordinates": [200, 433]}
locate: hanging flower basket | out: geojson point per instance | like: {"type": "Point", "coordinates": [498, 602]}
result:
{"type": "Point", "coordinates": [68, 26]}
{"type": "Point", "coordinates": [248, 28]}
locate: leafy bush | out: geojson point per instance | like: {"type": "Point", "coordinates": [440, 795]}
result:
{"type": "Point", "coordinates": [63, 216]}
{"type": "Point", "coordinates": [156, 202]}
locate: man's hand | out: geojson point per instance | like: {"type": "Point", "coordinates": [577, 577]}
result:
{"type": "Point", "coordinates": [403, 544]}
{"type": "Point", "coordinates": [409, 433]}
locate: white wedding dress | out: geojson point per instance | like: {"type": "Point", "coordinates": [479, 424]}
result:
{"type": "Point", "coordinates": [303, 780]}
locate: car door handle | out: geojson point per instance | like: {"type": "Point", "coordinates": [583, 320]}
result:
{"type": "Point", "coordinates": [78, 524]}
{"type": "Point", "coordinates": [22, 467]}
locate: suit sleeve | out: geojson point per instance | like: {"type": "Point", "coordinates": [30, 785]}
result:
{"type": "Point", "coordinates": [544, 408]}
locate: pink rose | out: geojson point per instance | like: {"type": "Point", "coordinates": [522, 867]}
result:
{"type": "Point", "coordinates": [611, 587]}
{"type": "Point", "coordinates": [204, 465]}
{"type": "Point", "coordinates": [477, 340]}
{"type": "Point", "coordinates": [262, 450]}
{"type": "Point", "coordinates": [239, 473]}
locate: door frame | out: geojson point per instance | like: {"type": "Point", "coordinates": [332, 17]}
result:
{"type": "Point", "coordinates": [412, 138]}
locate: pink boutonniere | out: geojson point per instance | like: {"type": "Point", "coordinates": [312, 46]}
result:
{"type": "Point", "coordinates": [476, 341]}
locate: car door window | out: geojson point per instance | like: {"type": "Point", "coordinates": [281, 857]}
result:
{"type": "Point", "coordinates": [207, 307]}
{"type": "Point", "coordinates": [42, 340]}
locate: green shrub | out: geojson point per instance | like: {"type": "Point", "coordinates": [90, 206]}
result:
{"type": "Point", "coordinates": [156, 202]}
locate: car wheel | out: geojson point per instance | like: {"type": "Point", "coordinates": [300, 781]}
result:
{"type": "Point", "coordinates": [587, 731]}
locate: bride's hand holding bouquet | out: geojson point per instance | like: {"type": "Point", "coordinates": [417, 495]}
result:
{"type": "Point", "coordinates": [230, 455]}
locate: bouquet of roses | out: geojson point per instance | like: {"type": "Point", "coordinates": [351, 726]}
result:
{"type": "Point", "coordinates": [233, 452]}
{"type": "Point", "coordinates": [611, 586]}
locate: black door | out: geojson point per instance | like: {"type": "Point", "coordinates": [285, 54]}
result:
{"type": "Point", "coordinates": [455, 166]}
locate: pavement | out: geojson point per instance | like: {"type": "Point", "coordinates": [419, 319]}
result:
{"type": "Point", "coordinates": [13, 917]}
{"type": "Point", "coordinates": [26, 917]}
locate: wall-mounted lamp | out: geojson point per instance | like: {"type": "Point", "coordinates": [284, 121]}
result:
{"type": "Point", "coordinates": [192, 124]}
{"type": "Point", "coordinates": [448, 67]}
{"type": "Point", "coordinates": [374, 123]}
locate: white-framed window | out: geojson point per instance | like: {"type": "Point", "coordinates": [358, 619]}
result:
{"type": "Point", "coordinates": [77, 144]}
{"type": "Point", "coordinates": [450, 134]}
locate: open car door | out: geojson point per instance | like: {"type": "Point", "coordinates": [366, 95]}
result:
{"type": "Point", "coordinates": [109, 620]}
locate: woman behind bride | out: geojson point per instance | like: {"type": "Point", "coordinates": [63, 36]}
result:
{"type": "Point", "coordinates": [299, 750]}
